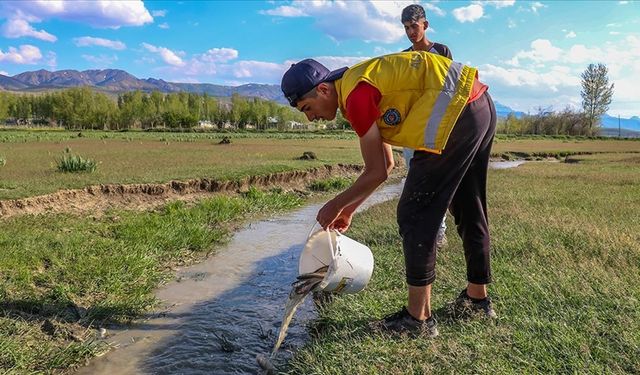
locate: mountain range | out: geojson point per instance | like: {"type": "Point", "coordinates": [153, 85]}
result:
{"type": "Point", "coordinates": [118, 81]}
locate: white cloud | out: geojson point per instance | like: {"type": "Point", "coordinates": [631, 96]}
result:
{"type": "Point", "coordinates": [163, 25]}
{"type": "Point", "coordinates": [623, 2]}
{"type": "Point", "coordinates": [4, 73]}
{"type": "Point", "coordinates": [469, 13]}
{"type": "Point", "coordinates": [570, 34]}
{"type": "Point", "coordinates": [579, 54]}
{"type": "Point", "coordinates": [511, 23]}
{"type": "Point", "coordinates": [537, 5]}
{"type": "Point", "coordinates": [499, 3]}
{"type": "Point", "coordinates": [88, 41]}
{"type": "Point", "coordinates": [52, 61]}
{"type": "Point", "coordinates": [167, 55]}
{"type": "Point", "coordinates": [17, 28]}
{"type": "Point", "coordinates": [102, 14]}
{"type": "Point", "coordinates": [614, 33]}
{"type": "Point", "coordinates": [371, 21]}
{"type": "Point", "coordinates": [215, 55]}
{"type": "Point", "coordinates": [284, 11]}
{"type": "Point", "coordinates": [159, 13]}
{"type": "Point", "coordinates": [257, 69]}
{"type": "Point", "coordinates": [550, 76]}
{"type": "Point", "coordinates": [25, 54]}
{"type": "Point", "coordinates": [101, 60]}
{"type": "Point", "coordinates": [429, 7]}
{"type": "Point", "coordinates": [541, 50]}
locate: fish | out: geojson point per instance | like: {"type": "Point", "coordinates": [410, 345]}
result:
{"type": "Point", "coordinates": [304, 284]}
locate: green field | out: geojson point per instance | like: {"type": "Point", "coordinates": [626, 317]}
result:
{"type": "Point", "coordinates": [565, 239]}
{"type": "Point", "coordinates": [566, 265]}
{"type": "Point", "coordinates": [125, 158]}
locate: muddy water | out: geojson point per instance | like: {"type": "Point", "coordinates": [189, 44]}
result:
{"type": "Point", "coordinates": [505, 164]}
{"type": "Point", "coordinates": [224, 311]}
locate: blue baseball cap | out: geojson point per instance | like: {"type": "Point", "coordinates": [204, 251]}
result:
{"type": "Point", "coordinates": [302, 77]}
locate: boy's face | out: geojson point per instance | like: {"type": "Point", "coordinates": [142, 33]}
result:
{"type": "Point", "coordinates": [415, 29]}
{"type": "Point", "coordinates": [322, 106]}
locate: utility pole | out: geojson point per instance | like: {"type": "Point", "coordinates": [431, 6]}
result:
{"type": "Point", "coordinates": [619, 132]}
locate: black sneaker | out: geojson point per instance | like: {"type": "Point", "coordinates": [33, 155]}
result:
{"type": "Point", "coordinates": [402, 322]}
{"type": "Point", "coordinates": [465, 306]}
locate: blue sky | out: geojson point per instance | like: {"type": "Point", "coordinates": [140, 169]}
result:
{"type": "Point", "coordinates": [531, 53]}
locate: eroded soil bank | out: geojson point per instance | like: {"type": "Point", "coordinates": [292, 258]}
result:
{"type": "Point", "coordinates": [97, 198]}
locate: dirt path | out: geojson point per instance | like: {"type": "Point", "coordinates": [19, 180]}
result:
{"type": "Point", "coordinates": [98, 198]}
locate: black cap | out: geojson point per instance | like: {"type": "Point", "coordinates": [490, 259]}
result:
{"type": "Point", "coordinates": [304, 76]}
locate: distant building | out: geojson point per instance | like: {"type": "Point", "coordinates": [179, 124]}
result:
{"type": "Point", "coordinates": [206, 124]}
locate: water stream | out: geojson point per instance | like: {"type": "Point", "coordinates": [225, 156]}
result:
{"type": "Point", "coordinates": [225, 311]}
{"type": "Point", "coordinates": [220, 314]}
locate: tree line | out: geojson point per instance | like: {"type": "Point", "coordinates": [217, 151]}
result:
{"type": "Point", "coordinates": [596, 96]}
{"type": "Point", "coordinates": [84, 108]}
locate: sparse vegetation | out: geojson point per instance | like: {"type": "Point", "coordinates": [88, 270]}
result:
{"type": "Point", "coordinates": [3, 161]}
{"type": "Point", "coordinates": [71, 163]}
{"type": "Point", "coordinates": [331, 184]}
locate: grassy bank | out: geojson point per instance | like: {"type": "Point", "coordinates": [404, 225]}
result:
{"type": "Point", "coordinates": [62, 276]}
{"type": "Point", "coordinates": [30, 157]}
{"type": "Point", "coordinates": [566, 260]}
{"type": "Point", "coordinates": [125, 158]}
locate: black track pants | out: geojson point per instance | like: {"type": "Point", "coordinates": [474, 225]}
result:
{"type": "Point", "coordinates": [456, 179]}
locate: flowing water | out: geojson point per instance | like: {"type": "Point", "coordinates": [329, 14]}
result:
{"type": "Point", "coordinates": [220, 314]}
{"type": "Point", "coordinates": [306, 284]}
{"type": "Point", "coordinates": [505, 164]}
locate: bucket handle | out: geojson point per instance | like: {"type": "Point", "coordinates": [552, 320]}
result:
{"type": "Point", "coordinates": [335, 253]}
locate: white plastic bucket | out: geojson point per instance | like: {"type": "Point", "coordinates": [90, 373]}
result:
{"type": "Point", "coordinates": [350, 262]}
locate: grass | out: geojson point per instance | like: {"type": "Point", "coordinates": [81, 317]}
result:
{"type": "Point", "coordinates": [70, 163]}
{"type": "Point", "coordinates": [566, 260]}
{"type": "Point", "coordinates": [72, 273]}
{"type": "Point", "coordinates": [150, 157]}
{"type": "Point", "coordinates": [566, 255]}
{"type": "Point", "coordinates": [146, 159]}
{"type": "Point", "coordinates": [331, 184]}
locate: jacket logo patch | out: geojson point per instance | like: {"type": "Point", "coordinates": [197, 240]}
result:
{"type": "Point", "coordinates": [391, 117]}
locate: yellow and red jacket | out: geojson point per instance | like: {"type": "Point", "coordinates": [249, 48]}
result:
{"type": "Point", "coordinates": [423, 94]}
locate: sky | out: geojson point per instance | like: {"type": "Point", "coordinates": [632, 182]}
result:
{"type": "Point", "coordinates": [530, 53]}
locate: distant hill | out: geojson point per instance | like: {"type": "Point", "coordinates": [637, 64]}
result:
{"type": "Point", "coordinates": [503, 111]}
{"type": "Point", "coordinates": [119, 81]}
{"type": "Point", "coordinates": [11, 84]}
{"type": "Point", "coordinates": [632, 123]}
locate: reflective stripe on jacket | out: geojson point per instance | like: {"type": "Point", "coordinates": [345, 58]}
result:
{"type": "Point", "coordinates": [423, 94]}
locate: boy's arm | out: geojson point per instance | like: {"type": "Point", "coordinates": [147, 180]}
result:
{"type": "Point", "coordinates": [377, 162]}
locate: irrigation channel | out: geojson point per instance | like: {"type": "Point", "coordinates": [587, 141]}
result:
{"type": "Point", "coordinates": [220, 314]}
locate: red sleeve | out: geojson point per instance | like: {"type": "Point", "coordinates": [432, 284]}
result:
{"type": "Point", "coordinates": [362, 107]}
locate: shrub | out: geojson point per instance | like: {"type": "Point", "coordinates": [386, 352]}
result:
{"type": "Point", "coordinates": [75, 163]}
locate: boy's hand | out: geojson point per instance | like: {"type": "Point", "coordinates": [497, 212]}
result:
{"type": "Point", "coordinates": [328, 214]}
{"type": "Point", "coordinates": [342, 222]}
